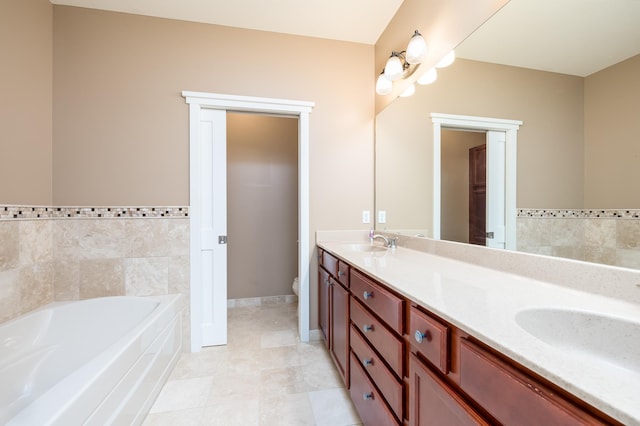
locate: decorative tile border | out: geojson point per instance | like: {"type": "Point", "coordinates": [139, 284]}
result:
{"type": "Point", "coordinates": [579, 213]}
{"type": "Point", "coordinates": [47, 212]}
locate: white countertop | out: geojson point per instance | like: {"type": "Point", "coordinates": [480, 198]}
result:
{"type": "Point", "coordinates": [484, 303]}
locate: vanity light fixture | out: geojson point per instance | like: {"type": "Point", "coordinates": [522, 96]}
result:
{"type": "Point", "coordinates": [402, 64]}
{"type": "Point", "coordinates": [429, 77]}
{"type": "Point", "coordinates": [408, 91]}
{"type": "Point", "coordinates": [447, 60]}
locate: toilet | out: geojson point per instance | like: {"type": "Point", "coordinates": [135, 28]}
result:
{"type": "Point", "coordinates": [296, 288]}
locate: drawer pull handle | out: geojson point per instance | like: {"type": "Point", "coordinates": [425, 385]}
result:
{"type": "Point", "coordinates": [368, 396]}
{"type": "Point", "coordinates": [420, 336]}
{"type": "Point", "coordinates": [367, 328]}
{"type": "Point", "coordinates": [367, 362]}
{"type": "Point", "coordinates": [367, 295]}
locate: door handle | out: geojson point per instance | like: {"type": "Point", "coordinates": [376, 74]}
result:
{"type": "Point", "coordinates": [490, 235]}
{"type": "Point", "coordinates": [222, 239]}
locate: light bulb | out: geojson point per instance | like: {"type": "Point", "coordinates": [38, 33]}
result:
{"type": "Point", "coordinates": [393, 70]}
{"type": "Point", "coordinates": [417, 49]}
{"type": "Point", "coordinates": [383, 85]}
{"type": "Point", "coordinates": [408, 91]}
{"type": "Point", "coordinates": [447, 60]}
{"type": "Point", "coordinates": [428, 77]}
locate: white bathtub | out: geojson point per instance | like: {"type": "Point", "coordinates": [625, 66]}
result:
{"type": "Point", "coordinates": [97, 361]}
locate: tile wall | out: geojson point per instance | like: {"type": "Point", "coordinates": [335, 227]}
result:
{"type": "Point", "coordinates": [610, 237]}
{"type": "Point", "coordinates": [72, 253]}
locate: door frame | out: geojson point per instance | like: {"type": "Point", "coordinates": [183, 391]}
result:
{"type": "Point", "coordinates": [465, 122]}
{"type": "Point", "coordinates": [300, 109]}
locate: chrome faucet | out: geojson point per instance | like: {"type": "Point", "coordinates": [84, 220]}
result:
{"type": "Point", "coordinates": [382, 237]}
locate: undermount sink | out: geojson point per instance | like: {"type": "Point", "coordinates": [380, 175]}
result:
{"type": "Point", "coordinates": [585, 334]}
{"type": "Point", "coordinates": [367, 247]}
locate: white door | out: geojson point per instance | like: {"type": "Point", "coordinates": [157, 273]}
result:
{"type": "Point", "coordinates": [496, 189]}
{"type": "Point", "coordinates": [207, 142]}
{"type": "Point", "coordinates": [210, 216]}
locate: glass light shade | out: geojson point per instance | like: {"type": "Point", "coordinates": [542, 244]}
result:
{"type": "Point", "coordinates": [383, 85]}
{"type": "Point", "coordinates": [428, 77]}
{"type": "Point", "coordinates": [417, 49]}
{"type": "Point", "coordinates": [447, 60]}
{"type": "Point", "coordinates": [408, 91]}
{"type": "Point", "coordinates": [393, 69]}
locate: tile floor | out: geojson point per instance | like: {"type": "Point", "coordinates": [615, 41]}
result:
{"type": "Point", "coordinates": [263, 376]}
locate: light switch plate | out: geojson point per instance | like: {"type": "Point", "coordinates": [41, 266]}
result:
{"type": "Point", "coordinates": [366, 216]}
{"type": "Point", "coordinates": [382, 216]}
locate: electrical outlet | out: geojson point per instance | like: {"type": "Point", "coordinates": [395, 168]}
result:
{"type": "Point", "coordinates": [366, 216]}
{"type": "Point", "coordinates": [382, 216]}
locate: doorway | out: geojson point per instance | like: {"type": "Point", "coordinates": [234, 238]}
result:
{"type": "Point", "coordinates": [501, 140]}
{"type": "Point", "coordinates": [463, 183]}
{"type": "Point", "coordinates": [208, 222]}
{"type": "Point", "coordinates": [262, 205]}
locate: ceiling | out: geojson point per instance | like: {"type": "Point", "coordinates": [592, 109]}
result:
{"type": "Point", "coordinates": [360, 21]}
{"type": "Point", "coordinates": [577, 37]}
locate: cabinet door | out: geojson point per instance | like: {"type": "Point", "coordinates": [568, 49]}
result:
{"type": "Point", "coordinates": [324, 286]}
{"type": "Point", "coordinates": [433, 402]}
{"type": "Point", "coordinates": [339, 326]}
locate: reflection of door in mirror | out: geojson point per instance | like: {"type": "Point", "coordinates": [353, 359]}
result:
{"type": "Point", "coordinates": [500, 137]}
{"type": "Point", "coordinates": [473, 187]}
{"type": "Point", "coordinates": [456, 220]}
{"type": "Point", "coordinates": [477, 194]}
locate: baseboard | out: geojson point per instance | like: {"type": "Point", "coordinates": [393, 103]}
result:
{"type": "Point", "coordinates": [315, 335]}
{"type": "Point", "coordinates": [260, 301]}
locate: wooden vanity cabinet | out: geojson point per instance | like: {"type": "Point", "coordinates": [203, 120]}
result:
{"type": "Point", "coordinates": [455, 380]}
{"type": "Point", "coordinates": [339, 326]}
{"type": "Point", "coordinates": [333, 306]}
{"type": "Point", "coordinates": [324, 290]}
{"type": "Point", "coordinates": [404, 365]}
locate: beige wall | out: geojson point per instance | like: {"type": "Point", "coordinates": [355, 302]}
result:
{"type": "Point", "coordinates": [454, 209]}
{"type": "Point", "coordinates": [25, 101]}
{"type": "Point", "coordinates": [121, 123]}
{"type": "Point", "coordinates": [121, 126]}
{"type": "Point", "coordinates": [550, 142]}
{"type": "Point", "coordinates": [262, 207]}
{"type": "Point", "coordinates": [612, 128]}
{"type": "Point", "coordinates": [443, 24]}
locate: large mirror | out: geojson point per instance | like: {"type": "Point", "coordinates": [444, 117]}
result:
{"type": "Point", "coordinates": [569, 70]}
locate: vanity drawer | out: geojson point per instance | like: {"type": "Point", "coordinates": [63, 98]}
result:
{"type": "Point", "coordinates": [512, 396]}
{"type": "Point", "coordinates": [430, 338]}
{"type": "Point", "coordinates": [330, 263]}
{"type": "Point", "coordinates": [343, 273]}
{"type": "Point", "coordinates": [382, 339]}
{"type": "Point", "coordinates": [385, 304]}
{"type": "Point", "coordinates": [367, 400]}
{"type": "Point", "coordinates": [390, 387]}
